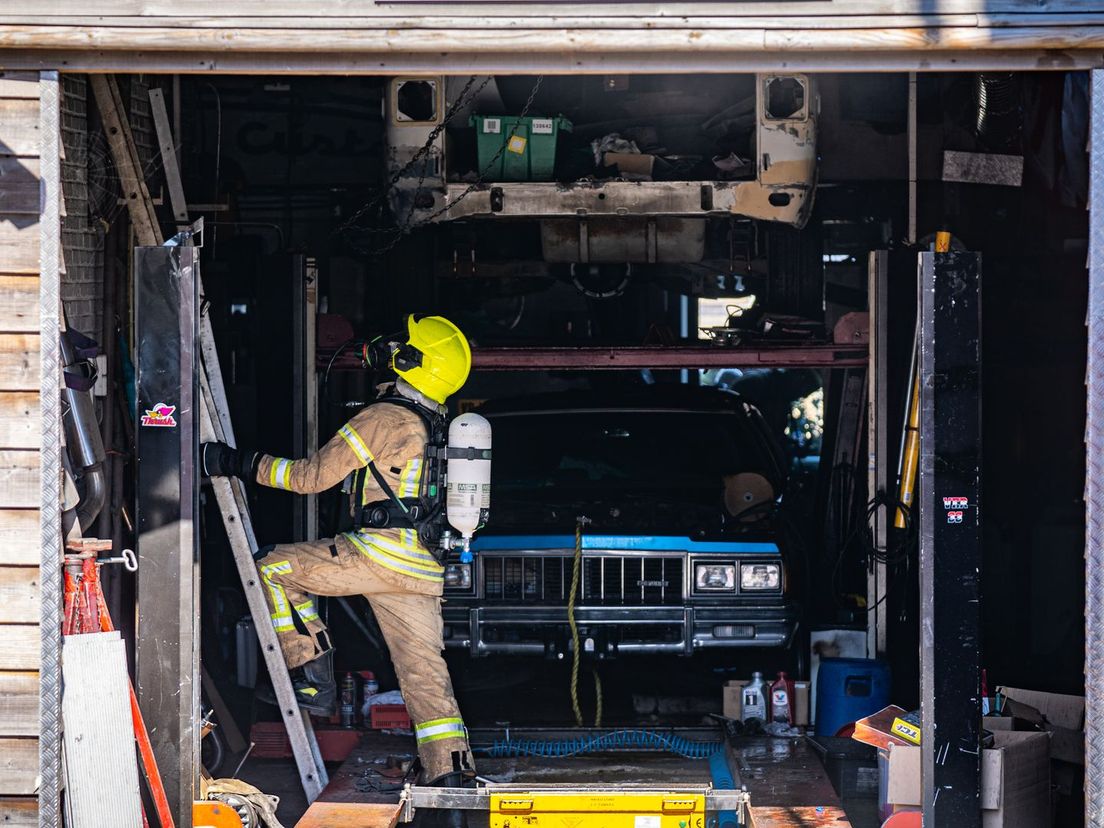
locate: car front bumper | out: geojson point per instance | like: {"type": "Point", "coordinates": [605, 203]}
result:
{"type": "Point", "coordinates": [608, 631]}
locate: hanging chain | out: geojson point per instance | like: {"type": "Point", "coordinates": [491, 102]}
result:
{"type": "Point", "coordinates": [407, 226]}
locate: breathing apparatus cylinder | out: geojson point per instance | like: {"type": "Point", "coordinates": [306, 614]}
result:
{"type": "Point", "coordinates": [468, 496]}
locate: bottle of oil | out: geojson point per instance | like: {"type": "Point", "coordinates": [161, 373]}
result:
{"type": "Point", "coordinates": [754, 702]}
{"type": "Point", "coordinates": [781, 700]}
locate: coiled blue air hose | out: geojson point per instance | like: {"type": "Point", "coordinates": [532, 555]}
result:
{"type": "Point", "coordinates": [723, 781]}
{"type": "Point", "coordinates": [599, 742]}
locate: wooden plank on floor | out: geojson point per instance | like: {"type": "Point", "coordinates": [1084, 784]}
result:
{"type": "Point", "coordinates": [19, 240]}
{"type": "Point", "coordinates": [19, 648]}
{"type": "Point", "coordinates": [20, 420]}
{"type": "Point", "coordinates": [350, 815]}
{"type": "Point", "coordinates": [19, 476]}
{"type": "Point", "coordinates": [19, 360]}
{"type": "Point", "coordinates": [101, 763]}
{"type": "Point", "coordinates": [19, 187]}
{"type": "Point", "coordinates": [19, 595]}
{"type": "Point", "coordinates": [18, 766]}
{"type": "Point", "coordinates": [19, 303]}
{"type": "Point", "coordinates": [19, 537]}
{"type": "Point", "coordinates": [18, 708]}
{"type": "Point", "coordinates": [20, 119]}
{"type": "Point", "coordinates": [799, 816]}
{"type": "Point", "coordinates": [18, 811]}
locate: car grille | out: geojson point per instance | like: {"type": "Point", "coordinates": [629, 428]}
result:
{"type": "Point", "coordinates": [606, 580]}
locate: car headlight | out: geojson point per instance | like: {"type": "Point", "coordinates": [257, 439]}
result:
{"type": "Point", "coordinates": [719, 577]}
{"type": "Point", "coordinates": [458, 576]}
{"type": "Point", "coordinates": [760, 576]}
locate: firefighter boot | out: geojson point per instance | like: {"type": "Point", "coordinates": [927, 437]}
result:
{"type": "Point", "coordinates": [314, 686]}
{"type": "Point", "coordinates": [450, 817]}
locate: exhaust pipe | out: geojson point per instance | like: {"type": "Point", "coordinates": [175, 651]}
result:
{"type": "Point", "coordinates": [84, 443]}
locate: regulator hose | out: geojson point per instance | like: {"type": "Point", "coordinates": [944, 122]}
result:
{"type": "Point", "coordinates": [601, 742]}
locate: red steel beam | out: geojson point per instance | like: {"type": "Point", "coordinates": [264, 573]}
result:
{"type": "Point", "coordinates": [678, 356]}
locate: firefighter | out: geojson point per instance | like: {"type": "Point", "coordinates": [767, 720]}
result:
{"type": "Point", "coordinates": [383, 448]}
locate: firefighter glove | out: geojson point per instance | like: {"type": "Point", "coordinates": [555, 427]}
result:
{"type": "Point", "coordinates": [220, 460]}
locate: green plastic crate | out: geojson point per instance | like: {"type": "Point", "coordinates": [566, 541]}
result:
{"type": "Point", "coordinates": [531, 152]}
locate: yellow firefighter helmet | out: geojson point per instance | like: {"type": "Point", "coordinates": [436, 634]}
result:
{"type": "Point", "coordinates": [436, 359]}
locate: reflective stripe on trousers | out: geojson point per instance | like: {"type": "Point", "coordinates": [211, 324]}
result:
{"type": "Point", "coordinates": [435, 729]}
{"type": "Point", "coordinates": [281, 618]}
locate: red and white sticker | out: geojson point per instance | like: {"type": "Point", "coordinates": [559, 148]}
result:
{"type": "Point", "coordinates": [956, 503]}
{"type": "Point", "coordinates": [160, 416]}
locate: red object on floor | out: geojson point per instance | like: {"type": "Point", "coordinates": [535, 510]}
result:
{"type": "Point", "coordinates": [905, 819]}
{"type": "Point", "coordinates": [390, 717]}
{"type": "Point", "coordinates": [270, 741]}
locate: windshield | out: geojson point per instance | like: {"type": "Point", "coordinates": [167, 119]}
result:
{"type": "Point", "coordinates": [619, 452]}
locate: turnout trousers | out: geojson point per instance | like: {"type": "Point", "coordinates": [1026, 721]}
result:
{"type": "Point", "coordinates": [409, 615]}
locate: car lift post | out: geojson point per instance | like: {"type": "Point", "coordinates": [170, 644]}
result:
{"type": "Point", "coordinates": [167, 446]}
{"type": "Point", "coordinates": [950, 537]}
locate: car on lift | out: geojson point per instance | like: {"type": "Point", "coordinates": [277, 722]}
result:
{"type": "Point", "coordinates": [652, 175]}
{"type": "Point", "coordinates": [675, 492]}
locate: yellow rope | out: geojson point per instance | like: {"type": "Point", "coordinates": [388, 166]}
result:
{"type": "Point", "coordinates": [575, 567]}
{"type": "Point", "coordinates": [598, 693]}
{"type": "Point", "coordinates": [575, 646]}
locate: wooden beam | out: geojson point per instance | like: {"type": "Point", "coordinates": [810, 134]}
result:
{"type": "Point", "coordinates": [19, 537]}
{"type": "Point", "coordinates": [19, 304]}
{"type": "Point", "coordinates": [19, 596]}
{"type": "Point", "coordinates": [20, 420]}
{"type": "Point", "coordinates": [127, 164]}
{"type": "Point", "coordinates": [478, 16]}
{"type": "Point", "coordinates": [18, 812]}
{"type": "Point", "coordinates": [19, 647]}
{"type": "Point", "coordinates": [553, 61]}
{"type": "Point", "coordinates": [350, 815]}
{"type": "Point", "coordinates": [19, 478]}
{"type": "Point", "coordinates": [18, 708]}
{"type": "Point", "coordinates": [289, 13]}
{"type": "Point", "coordinates": [19, 361]}
{"type": "Point", "coordinates": [18, 766]}
{"type": "Point", "coordinates": [20, 119]}
{"type": "Point", "coordinates": [384, 42]}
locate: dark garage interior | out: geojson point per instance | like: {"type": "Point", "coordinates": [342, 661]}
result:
{"type": "Point", "coordinates": [601, 342]}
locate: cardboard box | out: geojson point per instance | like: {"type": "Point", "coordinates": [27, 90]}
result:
{"type": "Point", "coordinates": [1063, 717]}
{"type": "Point", "coordinates": [631, 164]}
{"type": "Point", "coordinates": [732, 699]}
{"type": "Point", "coordinates": [1015, 780]}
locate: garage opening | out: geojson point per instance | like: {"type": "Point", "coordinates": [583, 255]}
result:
{"type": "Point", "coordinates": [692, 309]}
